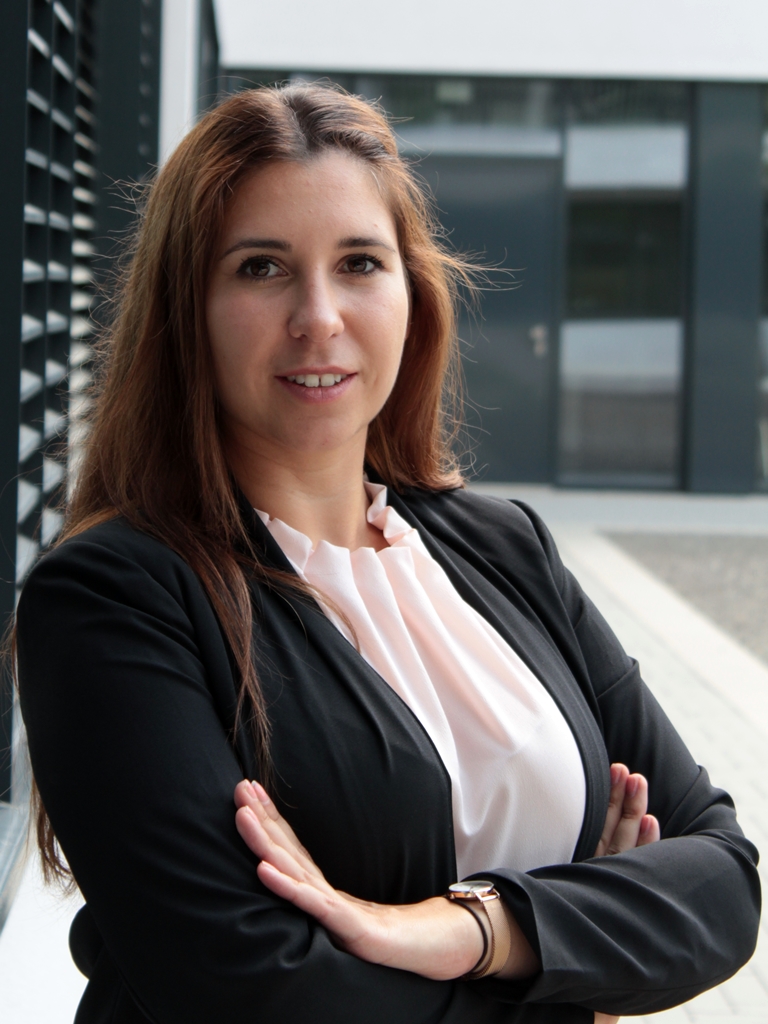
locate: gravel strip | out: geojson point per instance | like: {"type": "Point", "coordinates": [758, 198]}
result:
{"type": "Point", "coordinates": [725, 577]}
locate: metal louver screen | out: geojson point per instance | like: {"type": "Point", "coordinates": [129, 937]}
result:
{"type": "Point", "coordinates": [64, 148]}
{"type": "Point", "coordinates": [59, 202]}
{"type": "Point", "coordinates": [59, 222]}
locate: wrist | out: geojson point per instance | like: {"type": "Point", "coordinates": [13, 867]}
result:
{"type": "Point", "coordinates": [434, 939]}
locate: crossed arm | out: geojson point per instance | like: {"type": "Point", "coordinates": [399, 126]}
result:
{"type": "Point", "coordinates": [435, 938]}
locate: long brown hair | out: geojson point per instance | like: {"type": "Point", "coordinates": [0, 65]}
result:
{"type": "Point", "coordinates": [154, 454]}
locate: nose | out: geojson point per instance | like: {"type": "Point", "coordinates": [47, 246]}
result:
{"type": "Point", "coordinates": [315, 316]}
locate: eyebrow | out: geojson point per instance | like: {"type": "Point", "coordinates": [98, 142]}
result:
{"type": "Point", "coordinates": [353, 242]}
{"type": "Point", "coordinates": [258, 243]}
{"type": "Point", "coordinates": [363, 243]}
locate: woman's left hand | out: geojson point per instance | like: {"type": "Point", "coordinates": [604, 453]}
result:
{"type": "Point", "coordinates": [435, 938]}
{"type": "Point", "coordinates": [627, 823]}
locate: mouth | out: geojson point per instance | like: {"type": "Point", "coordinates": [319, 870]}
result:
{"type": "Point", "coordinates": [317, 387]}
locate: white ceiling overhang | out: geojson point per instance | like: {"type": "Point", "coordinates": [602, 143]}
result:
{"type": "Point", "coordinates": [679, 39]}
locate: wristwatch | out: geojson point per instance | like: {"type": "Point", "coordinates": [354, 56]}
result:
{"type": "Point", "coordinates": [481, 899]}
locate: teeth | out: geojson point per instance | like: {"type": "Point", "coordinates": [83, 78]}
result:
{"type": "Point", "coordinates": [314, 380]}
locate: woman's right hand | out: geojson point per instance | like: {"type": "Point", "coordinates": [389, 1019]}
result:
{"type": "Point", "coordinates": [627, 825]}
{"type": "Point", "coordinates": [435, 938]}
{"type": "Point", "coordinates": [296, 877]}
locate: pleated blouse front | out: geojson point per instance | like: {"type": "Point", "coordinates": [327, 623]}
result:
{"type": "Point", "coordinates": [518, 787]}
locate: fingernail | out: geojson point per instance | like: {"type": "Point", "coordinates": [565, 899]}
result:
{"type": "Point", "coordinates": [632, 783]}
{"type": "Point", "coordinates": [615, 773]}
{"type": "Point", "coordinates": [645, 825]}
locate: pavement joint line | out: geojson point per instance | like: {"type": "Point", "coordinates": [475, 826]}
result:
{"type": "Point", "coordinates": [645, 512]}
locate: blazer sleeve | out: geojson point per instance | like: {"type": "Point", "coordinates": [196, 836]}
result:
{"type": "Point", "coordinates": [117, 650]}
{"type": "Point", "coordinates": [650, 928]}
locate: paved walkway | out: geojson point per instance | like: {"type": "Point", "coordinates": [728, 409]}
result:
{"type": "Point", "coordinates": [714, 688]}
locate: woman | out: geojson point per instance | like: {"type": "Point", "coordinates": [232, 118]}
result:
{"type": "Point", "coordinates": [407, 667]}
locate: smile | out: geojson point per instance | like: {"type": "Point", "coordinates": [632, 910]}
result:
{"type": "Point", "coordinates": [314, 380]}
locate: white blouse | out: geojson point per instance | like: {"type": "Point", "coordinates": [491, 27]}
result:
{"type": "Point", "coordinates": [518, 785]}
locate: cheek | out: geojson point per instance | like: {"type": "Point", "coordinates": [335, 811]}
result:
{"type": "Point", "coordinates": [232, 357]}
{"type": "Point", "coordinates": [236, 334]}
{"type": "Point", "coordinates": [386, 327]}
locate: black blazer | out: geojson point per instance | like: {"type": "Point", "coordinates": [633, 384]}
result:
{"type": "Point", "coordinates": [128, 692]}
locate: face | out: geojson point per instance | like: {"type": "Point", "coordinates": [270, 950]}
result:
{"type": "Point", "coordinates": [307, 308]}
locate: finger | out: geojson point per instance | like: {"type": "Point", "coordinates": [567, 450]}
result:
{"type": "Point", "coordinates": [304, 896]}
{"type": "Point", "coordinates": [635, 806]}
{"type": "Point", "coordinates": [650, 832]}
{"type": "Point", "coordinates": [345, 920]}
{"type": "Point", "coordinates": [253, 795]}
{"type": "Point", "coordinates": [268, 804]}
{"type": "Point", "coordinates": [268, 843]}
{"type": "Point", "coordinates": [619, 775]}
{"type": "Point", "coordinates": [275, 824]}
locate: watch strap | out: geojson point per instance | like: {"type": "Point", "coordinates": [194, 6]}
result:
{"type": "Point", "coordinates": [499, 945]}
{"type": "Point", "coordinates": [488, 911]}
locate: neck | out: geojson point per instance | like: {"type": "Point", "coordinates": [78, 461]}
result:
{"type": "Point", "coordinates": [321, 494]}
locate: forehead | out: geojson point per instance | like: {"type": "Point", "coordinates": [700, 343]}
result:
{"type": "Point", "coordinates": [332, 188]}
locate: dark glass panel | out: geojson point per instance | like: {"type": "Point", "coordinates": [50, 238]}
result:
{"type": "Point", "coordinates": [427, 99]}
{"type": "Point", "coordinates": [601, 102]}
{"type": "Point", "coordinates": [624, 258]}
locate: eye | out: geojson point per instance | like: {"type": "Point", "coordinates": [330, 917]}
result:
{"type": "Point", "coordinates": [362, 264]}
{"type": "Point", "coordinates": [260, 267]}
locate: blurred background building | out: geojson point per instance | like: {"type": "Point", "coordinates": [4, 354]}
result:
{"type": "Point", "coordinates": [612, 157]}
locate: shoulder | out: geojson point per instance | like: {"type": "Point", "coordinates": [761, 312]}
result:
{"type": "Point", "coordinates": [113, 560]}
{"type": "Point", "coordinates": [113, 535]}
{"type": "Point", "coordinates": [495, 528]}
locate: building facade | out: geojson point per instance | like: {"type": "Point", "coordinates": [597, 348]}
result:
{"type": "Point", "coordinates": [623, 339]}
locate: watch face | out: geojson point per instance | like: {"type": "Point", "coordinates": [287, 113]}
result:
{"type": "Point", "coordinates": [471, 890]}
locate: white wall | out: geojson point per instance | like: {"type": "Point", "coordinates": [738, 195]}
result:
{"type": "Point", "coordinates": [687, 39]}
{"type": "Point", "coordinates": [179, 45]}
